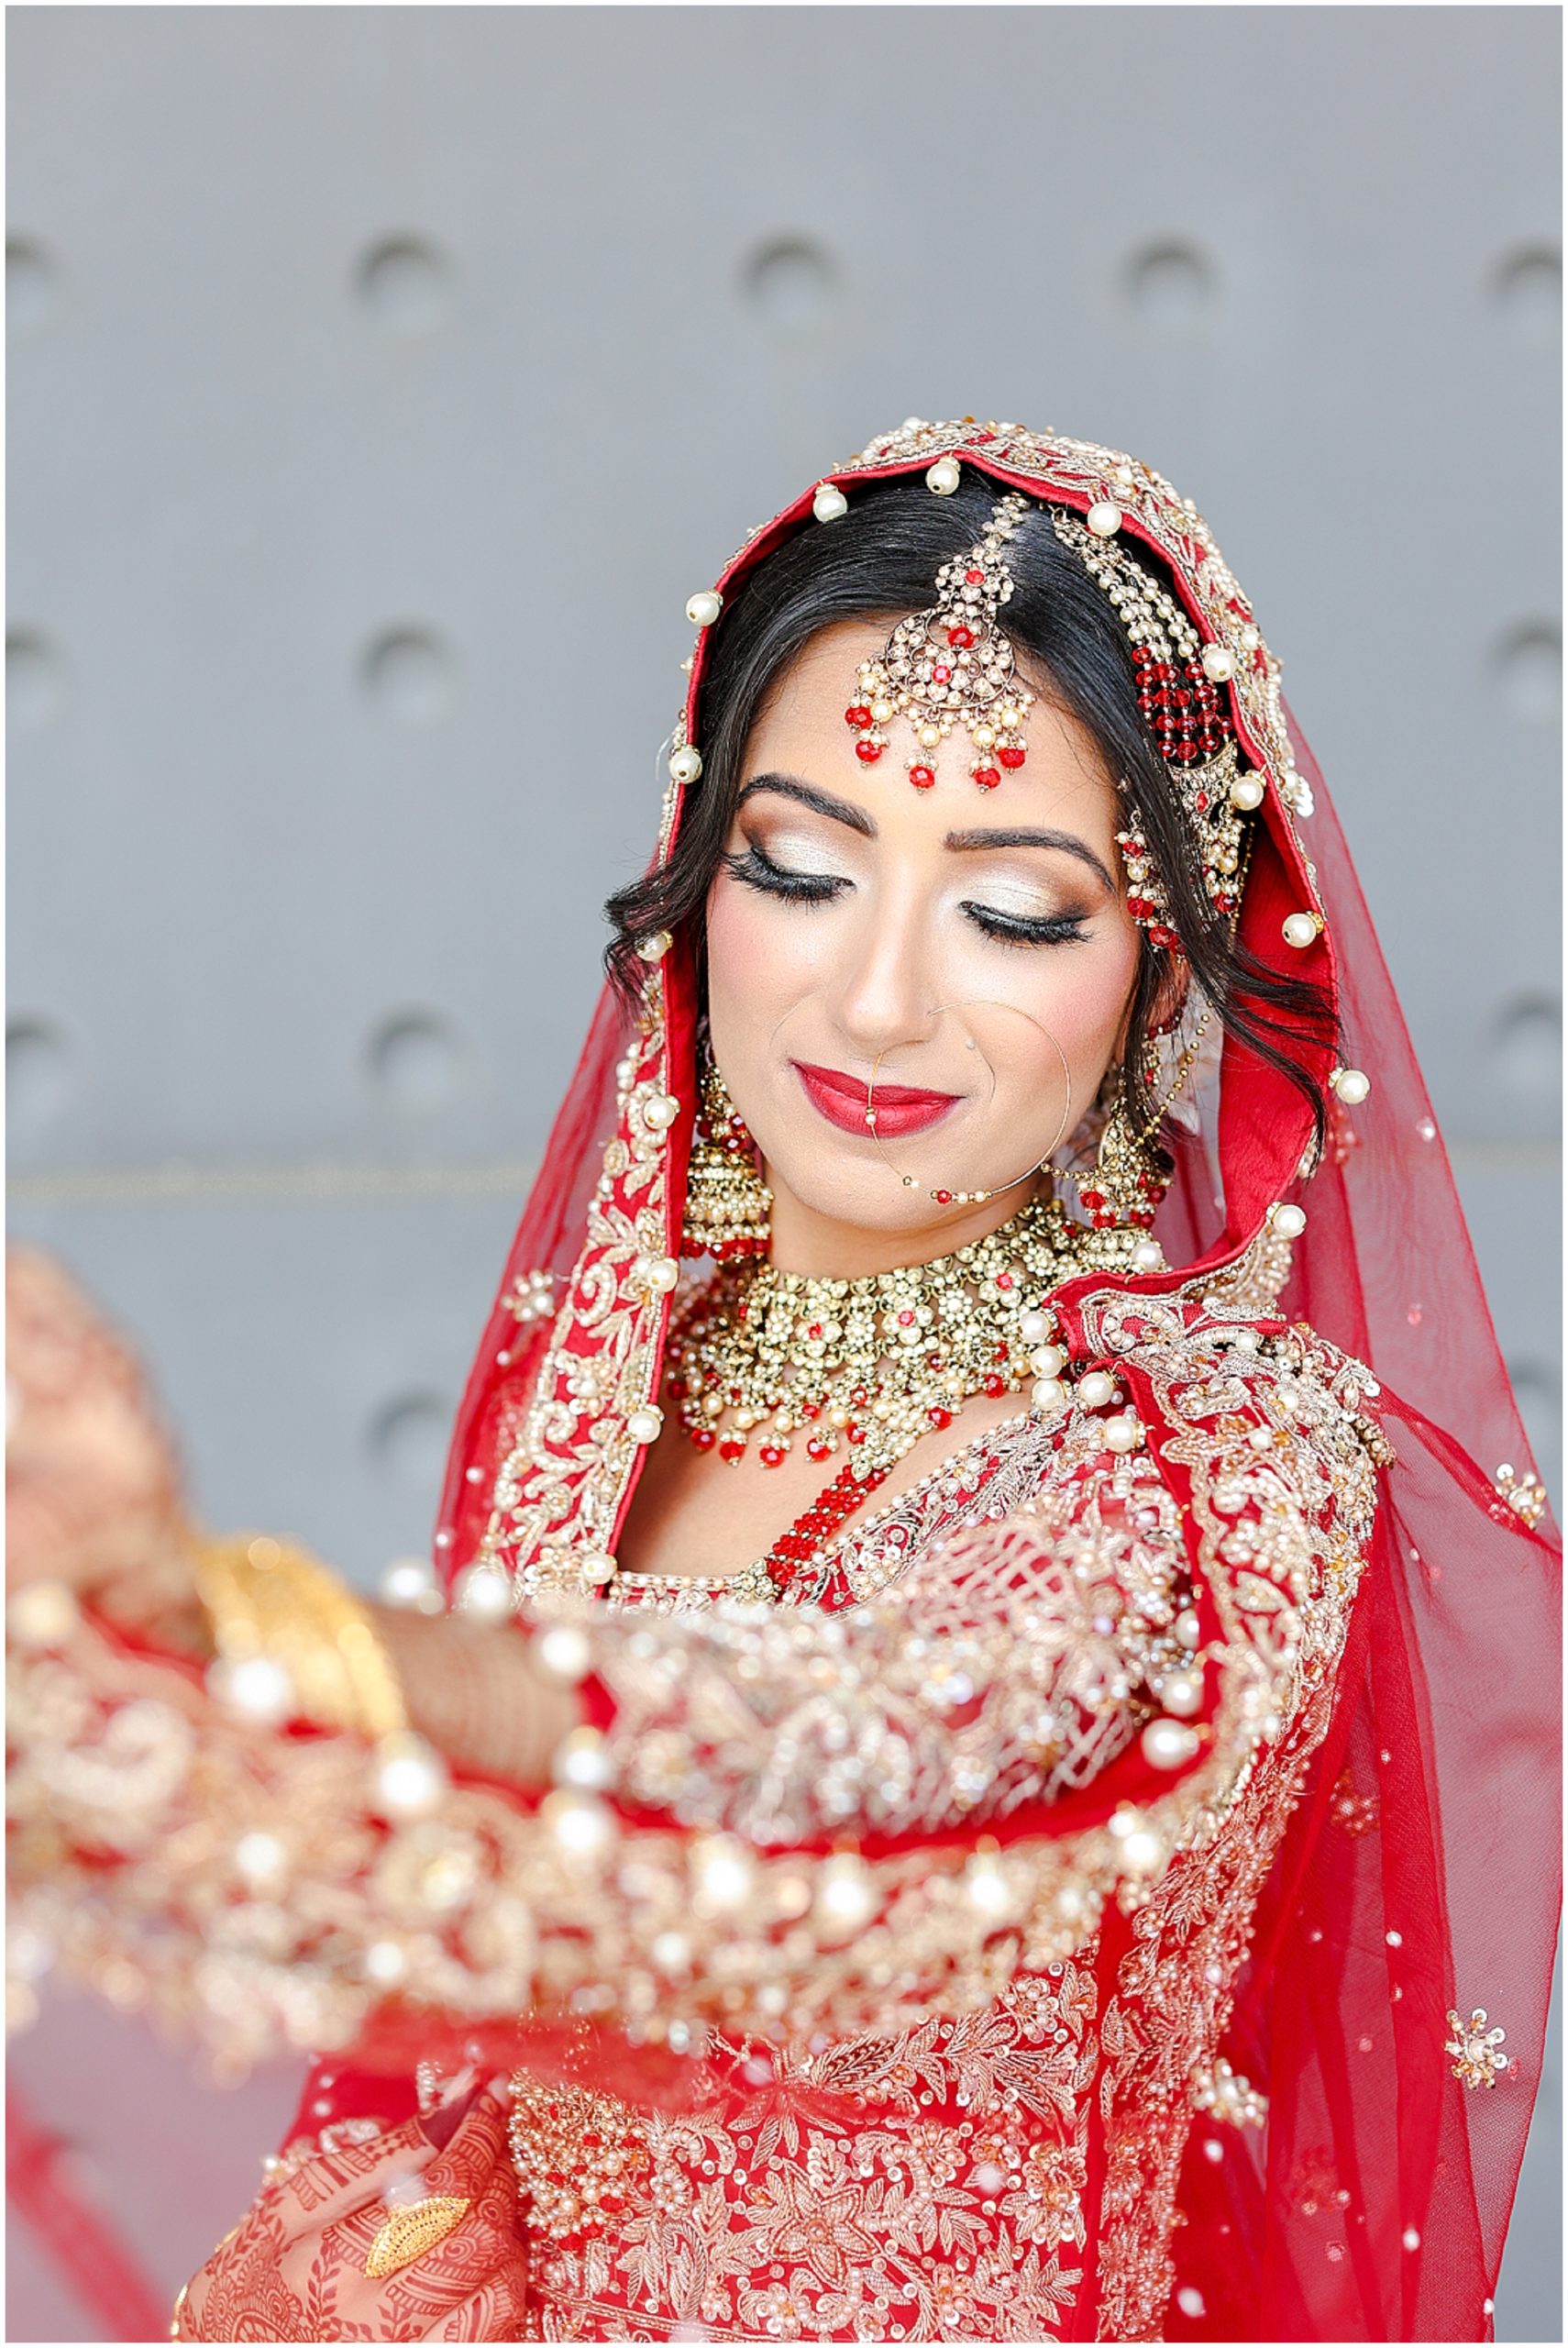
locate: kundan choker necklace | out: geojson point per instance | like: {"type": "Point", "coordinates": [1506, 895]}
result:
{"type": "Point", "coordinates": [867, 1366]}
{"type": "Point", "coordinates": [871, 1363]}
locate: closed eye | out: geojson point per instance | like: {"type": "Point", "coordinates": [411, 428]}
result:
{"type": "Point", "coordinates": [758, 870]}
{"type": "Point", "coordinates": [1020, 929]}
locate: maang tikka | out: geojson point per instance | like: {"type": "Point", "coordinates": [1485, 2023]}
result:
{"type": "Point", "coordinates": [729, 1207]}
{"type": "Point", "coordinates": [952, 665]}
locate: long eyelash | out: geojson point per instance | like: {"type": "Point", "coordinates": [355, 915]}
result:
{"type": "Point", "coordinates": [759, 872]}
{"type": "Point", "coordinates": [1013, 929]}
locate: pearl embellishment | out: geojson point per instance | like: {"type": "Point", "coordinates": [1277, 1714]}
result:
{"type": "Point", "coordinates": [943, 476]}
{"type": "Point", "coordinates": [660, 1272]}
{"type": "Point", "coordinates": [1034, 1327]}
{"type": "Point", "coordinates": [685, 766]}
{"type": "Point", "coordinates": [484, 1592]}
{"type": "Point", "coordinates": [42, 1613]}
{"type": "Point", "coordinates": [1047, 1394]}
{"type": "Point", "coordinates": [643, 1426]}
{"type": "Point", "coordinates": [846, 1896]}
{"type": "Point", "coordinates": [1300, 929]}
{"type": "Point", "coordinates": [1123, 1434]}
{"type": "Point", "coordinates": [582, 1759]}
{"type": "Point", "coordinates": [254, 1686]}
{"type": "Point", "coordinates": [661, 1112]}
{"type": "Point", "coordinates": [655, 949]}
{"type": "Point", "coordinates": [704, 608]}
{"type": "Point", "coordinates": [1148, 1256]}
{"type": "Point", "coordinates": [830, 503]}
{"type": "Point", "coordinates": [580, 1824]}
{"type": "Point", "coordinates": [1246, 791]}
{"type": "Point", "coordinates": [410, 1583]}
{"type": "Point", "coordinates": [1290, 1221]}
{"type": "Point", "coordinates": [1143, 1850]}
{"type": "Point", "coordinates": [1181, 1692]}
{"type": "Point", "coordinates": [410, 1776]}
{"type": "Point", "coordinates": [1217, 665]}
{"type": "Point", "coordinates": [1350, 1085]}
{"type": "Point", "coordinates": [1104, 518]}
{"type": "Point", "coordinates": [1097, 1387]}
{"type": "Point", "coordinates": [563, 1651]}
{"type": "Point", "coordinates": [1168, 1744]}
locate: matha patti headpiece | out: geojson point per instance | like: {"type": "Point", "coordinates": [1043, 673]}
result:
{"type": "Point", "coordinates": [952, 665]}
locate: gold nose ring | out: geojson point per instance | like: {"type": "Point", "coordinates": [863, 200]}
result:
{"type": "Point", "coordinates": [945, 1198]}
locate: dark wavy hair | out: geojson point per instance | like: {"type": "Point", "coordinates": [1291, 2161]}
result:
{"type": "Point", "coordinates": [880, 561]}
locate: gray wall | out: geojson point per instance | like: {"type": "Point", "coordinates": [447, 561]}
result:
{"type": "Point", "coordinates": [382, 382]}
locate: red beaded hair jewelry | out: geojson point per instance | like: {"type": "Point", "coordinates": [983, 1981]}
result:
{"type": "Point", "coordinates": [1178, 682]}
{"type": "Point", "coordinates": [952, 665]}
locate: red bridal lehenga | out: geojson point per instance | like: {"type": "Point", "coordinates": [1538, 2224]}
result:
{"type": "Point", "coordinates": [882, 1985]}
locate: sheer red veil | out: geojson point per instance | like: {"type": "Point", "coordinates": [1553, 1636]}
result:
{"type": "Point", "coordinates": [1420, 1873]}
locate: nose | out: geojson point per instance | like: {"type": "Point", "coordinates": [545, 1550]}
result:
{"type": "Point", "coordinates": [885, 994]}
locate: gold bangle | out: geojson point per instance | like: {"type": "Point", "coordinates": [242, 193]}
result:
{"type": "Point", "coordinates": [269, 1599]}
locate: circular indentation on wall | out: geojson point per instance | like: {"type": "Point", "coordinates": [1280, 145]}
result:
{"type": "Point", "coordinates": [407, 284]}
{"type": "Point", "coordinates": [790, 282]}
{"type": "Point", "coordinates": [1528, 286]}
{"type": "Point", "coordinates": [1172, 283]}
{"type": "Point", "coordinates": [1530, 670]}
{"type": "Point", "coordinates": [411, 674]}
{"type": "Point", "coordinates": [35, 678]}
{"type": "Point", "coordinates": [32, 286]}
{"type": "Point", "coordinates": [1527, 1043]}
{"type": "Point", "coordinates": [1538, 1391]}
{"type": "Point", "coordinates": [417, 1061]}
{"type": "Point", "coordinates": [408, 1438]}
{"type": "Point", "coordinates": [37, 1072]}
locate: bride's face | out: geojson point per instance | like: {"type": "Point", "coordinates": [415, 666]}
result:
{"type": "Point", "coordinates": [967, 953]}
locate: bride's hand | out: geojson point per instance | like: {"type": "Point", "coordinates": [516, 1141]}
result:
{"type": "Point", "coordinates": [92, 1488]}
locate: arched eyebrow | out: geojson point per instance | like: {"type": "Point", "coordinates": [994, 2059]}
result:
{"type": "Point", "coordinates": [1023, 836]}
{"type": "Point", "coordinates": [821, 803]}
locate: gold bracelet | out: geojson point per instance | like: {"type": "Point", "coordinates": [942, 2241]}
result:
{"type": "Point", "coordinates": [279, 1616]}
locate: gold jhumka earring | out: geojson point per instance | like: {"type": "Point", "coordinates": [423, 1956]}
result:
{"type": "Point", "coordinates": [729, 1207]}
{"type": "Point", "coordinates": [1131, 1172]}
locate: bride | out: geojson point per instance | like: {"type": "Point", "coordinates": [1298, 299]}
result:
{"type": "Point", "coordinates": [980, 1764]}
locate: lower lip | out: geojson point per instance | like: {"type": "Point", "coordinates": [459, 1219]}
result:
{"type": "Point", "coordinates": [847, 1110]}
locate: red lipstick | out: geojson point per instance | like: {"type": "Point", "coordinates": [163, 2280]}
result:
{"type": "Point", "coordinates": [844, 1100]}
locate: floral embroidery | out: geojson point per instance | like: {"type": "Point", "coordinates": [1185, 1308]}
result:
{"type": "Point", "coordinates": [1477, 2049]}
{"type": "Point", "coordinates": [924, 2186]}
{"type": "Point", "coordinates": [1353, 1814]}
{"type": "Point", "coordinates": [1217, 2088]}
{"type": "Point", "coordinates": [1281, 1475]}
{"type": "Point", "coordinates": [557, 1491]}
{"type": "Point", "coordinates": [1014, 1660]}
{"type": "Point", "coordinates": [1526, 1495]}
